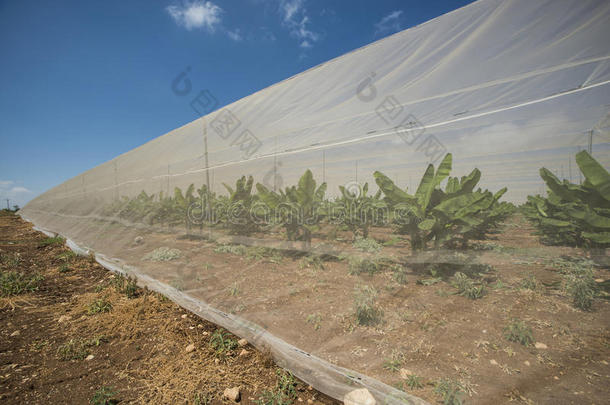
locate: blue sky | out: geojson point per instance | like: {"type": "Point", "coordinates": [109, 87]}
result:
{"type": "Point", "coordinates": [82, 82]}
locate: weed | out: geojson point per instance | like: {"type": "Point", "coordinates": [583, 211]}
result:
{"type": "Point", "coordinates": [529, 282]}
{"type": "Point", "coordinates": [358, 265]}
{"type": "Point", "coordinates": [233, 290]}
{"type": "Point", "coordinates": [64, 268]}
{"type": "Point", "coordinates": [414, 382]}
{"type": "Point", "coordinates": [14, 283]}
{"type": "Point", "coordinates": [399, 274]}
{"type": "Point", "coordinates": [284, 392]}
{"type": "Point", "coordinates": [98, 306]}
{"type": "Point", "coordinates": [315, 320]}
{"type": "Point", "coordinates": [367, 245]}
{"type": "Point", "coordinates": [518, 331]}
{"type": "Point", "coordinates": [163, 254]}
{"type": "Point", "coordinates": [10, 261]}
{"type": "Point", "coordinates": [73, 350]}
{"type": "Point", "coordinates": [467, 287]}
{"type": "Point", "coordinates": [394, 362]}
{"type": "Point", "coordinates": [177, 284]}
{"type": "Point", "coordinates": [366, 311]}
{"type": "Point", "coordinates": [311, 261]}
{"type": "Point", "coordinates": [450, 391]}
{"type": "Point", "coordinates": [202, 398]}
{"type": "Point", "coordinates": [583, 290]}
{"type": "Point", "coordinates": [239, 250]}
{"type": "Point", "coordinates": [57, 240]}
{"type": "Point", "coordinates": [67, 256]}
{"type": "Point", "coordinates": [125, 285]}
{"type": "Point", "coordinates": [104, 396]}
{"type": "Point", "coordinates": [222, 343]}
{"type": "Point", "coordinates": [392, 242]}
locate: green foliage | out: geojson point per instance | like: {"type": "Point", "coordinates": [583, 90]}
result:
{"type": "Point", "coordinates": [238, 217]}
{"type": "Point", "coordinates": [448, 217]}
{"type": "Point", "coordinates": [104, 396]}
{"type": "Point", "coordinates": [358, 211]}
{"type": "Point", "coordinates": [98, 306]}
{"type": "Point", "coordinates": [572, 214]}
{"type": "Point", "coordinates": [163, 254]}
{"type": "Point", "coordinates": [367, 313]}
{"type": "Point", "coordinates": [451, 392]}
{"type": "Point", "coordinates": [78, 349]}
{"type": "Point", "coordinates": [518, 331]}
{"type": "Point", "coordinates": [467, 287]}
{"type": "Point", "coordinates": [414, 382]}
{"type": "Point", "coordinates": [367, 245]}
{"type": "Point", "coordinates": [284, 392]}
{"type": "Point", "coordinates": [239, 250]}
{"type": "Point", "coordinates": [399, 274]}
{"type": "Point", "coordinates": [222, 343]}
{"type": "Point", "coordinates": [125, 285]}
{"type": "Point", "coordinates": [529, 282]}
{"type": "Point", "coordinates": [297, 208]}
{"type": "Point", "coordinates": [360, 265]}
{"type": "Point", "coordinates": [15, 283]}
{"type": "Point", "coordinates": [52, 241]}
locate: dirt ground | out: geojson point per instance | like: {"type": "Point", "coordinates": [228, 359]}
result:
{"type": "Point", "coordinates": [426, 334]}
{"type": "Point", "coordinates": [54, 348]}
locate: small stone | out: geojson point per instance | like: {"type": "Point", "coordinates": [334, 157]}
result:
{"type": "Point", "coordinates": [138, 240]}
{"type": "Point", "coordinates": [556, 378]}
{"type": "Point", "coordinates": [493, 362]}
{"type": "Point", "coordinates": [90, 357]}
{"type": "Point", "coordinates": [300, 399]}
{"type": "Point", "coordinates": [243, 352]}
{"type": "Point", "coordinates": [232, 394]}
{"type": "Point", "coordinates": [540, 345]}
{"type": "Point", "coordinates": [64, 318]}
{"type": "Point", "coordinates": [200, 326]}
{"type": "Point", "coordinates": [361, 396]}
{"type": "Point", "coordinates": [16, 333]}
{"type": "Point", "coordinates": [216, 361]}
{"type": "Point", "coordinates": [190, 348]}
{"type": "Point", "coordinates": [184, 316]}
{"type": "Point", "coordinates": [599, 280]}
{"type": "Point", "coordinates": [205, 333]}
{"type": "Point", "coordinates": [527, 363]}
{"type": "Point", "coordinates": [242, 342]}
{"type": "Point", "coordinates": [309, 401]}
{"type": "Point", "coordinates": [404, 373]}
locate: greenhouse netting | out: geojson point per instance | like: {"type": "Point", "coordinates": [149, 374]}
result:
{"type": "Point", "coordinates": [295, 216]}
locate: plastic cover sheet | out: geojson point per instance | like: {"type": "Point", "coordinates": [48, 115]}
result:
{"type": "Point", "coordinates": [505, 86]}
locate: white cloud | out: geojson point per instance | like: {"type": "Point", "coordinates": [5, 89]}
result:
{"type": "Point", "coordinates": [295, 18]}
{"type": "Point", "coordinates": [16, 194]}
{"type": "Point", "coordinates": [196, 14]}
{"type": "Point", "coordinates": [389, 24]}
{"type": "Point", "coordinates": [235, 35]}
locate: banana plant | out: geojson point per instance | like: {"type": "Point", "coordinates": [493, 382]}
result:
{"type": "Point", "coordinates": [447, 216]}
{"type": "Point", "coordinates": [358, 210]}
{"type": "Point", "coordinates": [297, 208]}
{"type": "Point", "coordinates": [572, 213]}
{"type": "Point", "coordinates": [238, 213]}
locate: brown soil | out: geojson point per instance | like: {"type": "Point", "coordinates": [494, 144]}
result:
{"type": "Point", "coordinates": [433, 332]}
{"type": "Point", "coordinates": [138, 347]}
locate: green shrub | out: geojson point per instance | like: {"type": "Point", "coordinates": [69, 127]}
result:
{"type": "Point", "coordinates": [359, 265]}
{"type": "Point", "coordinates": [467, 287]}
{"type": "Point", "coordinates": [51, 241]}
{"type": "Point", "coordinates": [163, 254]}
{"type": "Point", "coordinates": [414, 382]}
{"type": "Point", "coordinates": [518, 331]}
{"type": "Point", "coordinates": [14, 283]}
{"type": "Point", "coordinates": [104, 396]}
{"type": "Point", "coordinates": [529, 282]}
{"type": "Point", "coordinates": [222, 343]}
{"type": "Point", "coordinates": [284, 392]}
{"type": "Point", "coordinates": [450, 391]}
{"type": "Point", "coordinates": [367, 312]}
{"type": "Point", "coordinates": [98, 306]}
{"type": "Point", "coordinates": [367, 245]}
